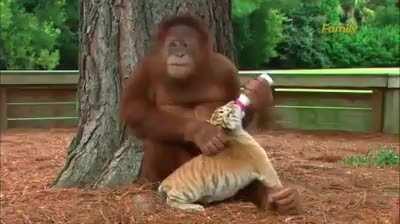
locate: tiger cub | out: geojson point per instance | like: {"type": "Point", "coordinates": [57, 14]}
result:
{"type": "Point", "coordinates": [206, 179]}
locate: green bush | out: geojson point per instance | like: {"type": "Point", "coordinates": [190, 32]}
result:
{"type": "Point", "coordinates": [368, 47]}
{"type": "Point", "coordinates": [258, 29]}
{"type": "Point", "coordinates": [303, 46]}
{"type": "Point", "coordinates": [376, 43]}
{"type": "Point", "coordinates": [28, 41]}
{"type": "Point", "coordinates": [39, 34]}
{"type": "Point", "coordinates": [386, 13]}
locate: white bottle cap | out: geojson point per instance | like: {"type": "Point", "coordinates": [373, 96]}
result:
{"type": "Point", "coordinates": [243, 99]}
{"type": "Point", "coordinates": [267, 78]}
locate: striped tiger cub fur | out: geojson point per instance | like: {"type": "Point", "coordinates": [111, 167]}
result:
{"type": "Point", "coordinates": [206, 179]}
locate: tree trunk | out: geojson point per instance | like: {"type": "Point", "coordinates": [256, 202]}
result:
{"type": "Point", "coordinates": [114, 35]}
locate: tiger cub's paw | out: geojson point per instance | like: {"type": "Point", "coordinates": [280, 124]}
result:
{"type": "Point", "coordinates": [187, 207]}
{"type": "Point", "coordinates": [194, 208]}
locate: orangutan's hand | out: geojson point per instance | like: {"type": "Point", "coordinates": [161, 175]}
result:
{"type": "Point", "coordinates": [259, 93]}
{"type": "Point", "coordinates": [285, 200]}
{"type": "Point", "coordinates": [208, 138]}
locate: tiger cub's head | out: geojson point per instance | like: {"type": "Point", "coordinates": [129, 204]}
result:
{"type": "Point", "coordinates": [228, 116]}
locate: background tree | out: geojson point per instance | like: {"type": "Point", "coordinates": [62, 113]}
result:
{"type": "Point", "coordinates": [258, 28]}
{"type": "Point", "coordinates": [68, 41]}
{"type": "Point", "coordinates": [114, 35]}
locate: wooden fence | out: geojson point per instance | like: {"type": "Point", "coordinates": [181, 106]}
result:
{"type": "Point", "coordinates": [357, 100]}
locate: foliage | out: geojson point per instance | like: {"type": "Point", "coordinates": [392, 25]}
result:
{"type": "Point", "coordinates": [303, 45]}
{"type": "Point", "coordinates": [380, 158]}
{"type": "Point", "coordinates": [256, 48]}
{"type": "Point", "coordinates": [35, 33]}
{"type": "Point", "coordinates": [370, 46]}
{"type": "Point", "coordinates": [356, 11]}
{"type": "Point", "coordinates": [306, 46]}
{"type": "Point", "coordinates": [29, 41]}
{"type": "Point", "coordinates": [387, 14]}
{"type": "Point", "coordinates": [244, 8]}
{"type": "Point", "coordinates": [69, 40]}
{"type": "Point", "coordinates": [258, 28]}
{"type": "Point", "coordinates": [332, 10]}
{"type": "Point", "coordinates": [42, 34]}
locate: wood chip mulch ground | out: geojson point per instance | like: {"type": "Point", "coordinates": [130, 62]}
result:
{"type": "Point", "coordinates": [331, 191]}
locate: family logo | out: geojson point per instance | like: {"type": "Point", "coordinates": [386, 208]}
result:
{"type": "Point", "coordinates": [346, 28]}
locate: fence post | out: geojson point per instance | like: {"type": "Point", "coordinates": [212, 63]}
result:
{"type": "Point", "coordinates": [391, 111]}
{"type": "Point", "coordinates": [392, 106]}
{"type": "Point", "coordinates": [3, 109]}
{"type": "Point", "coordinates": [377, 109]}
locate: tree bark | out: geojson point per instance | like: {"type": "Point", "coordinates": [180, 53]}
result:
{"type": "Point", "coordinates": [114, 34]}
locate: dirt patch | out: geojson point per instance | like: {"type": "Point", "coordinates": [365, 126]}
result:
{"type": "Point", "coordinates": [332, 192]}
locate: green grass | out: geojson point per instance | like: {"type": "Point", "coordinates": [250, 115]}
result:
{"type": "Point", "coordinates": [384, 157]}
